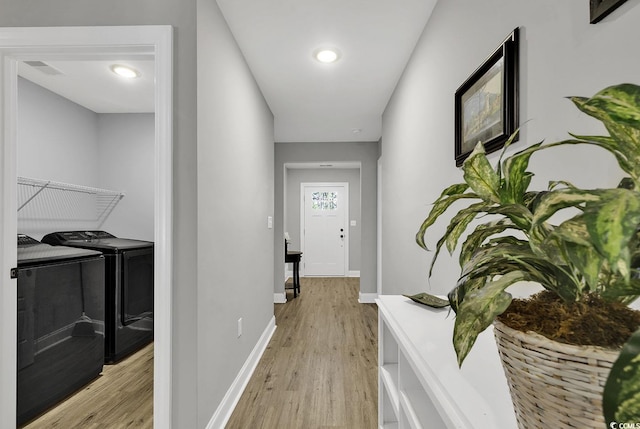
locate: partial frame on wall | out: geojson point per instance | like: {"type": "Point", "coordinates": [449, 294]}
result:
{"type": "Point", "coordinates": [487, 103]}
{"type": "Point", "coordinates": [599, 9]}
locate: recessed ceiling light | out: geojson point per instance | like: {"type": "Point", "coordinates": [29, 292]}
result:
{"type": "Point", "coordinates": [125, 71]}
{"type": "Point", "coordinates": [327, 55]}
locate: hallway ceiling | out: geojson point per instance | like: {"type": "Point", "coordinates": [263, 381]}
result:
{"type": "Point", "coordinates": [311, 101]}
{"type": "Point", "coordinates": [315, 102]}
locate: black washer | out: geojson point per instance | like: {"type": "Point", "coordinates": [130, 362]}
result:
{"type": "Point", "coordinates": [60, 326]}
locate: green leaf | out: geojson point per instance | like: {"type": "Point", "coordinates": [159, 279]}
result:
{"type": "Point", "coordinates": [456, 295]}
{"type": "Point", "coordinates": [480, 176]}
{"type": "Point", "coordinates": [478, 310]}
{"type": "Point", "coordinates": [518, 213]}
{"type": "Point", "coordinates": [618, 103]}
{"type": "Point", "coordinates": [508, 254]}
{"type": "Point", "coordinates": [621, 394]}
{"type": "Point", "coordinates": [618, 289]}
{"type": "Point", "coordinates": [449, 196]}
{"type": "Point", "coordinates": [587, 261]}
{"type": "Point", "coordinates": [479, 235]}
{"type": "Point", "coordinates": [618, 107]}
{"type": "Point", "coordinates": [429, 300]}
{"type": "Point", "coordinates": [516, 178]}
{"type": "Point", "coordinates": [456, 227]}
{"type": "Point", "coordinates": [460, 221]}
{"type": "Point", "coordinates": [553, 201]}
{"type": "Point", "coordinates": [627, 159]}
{"type": "Point", "coordinates": [612, 222]}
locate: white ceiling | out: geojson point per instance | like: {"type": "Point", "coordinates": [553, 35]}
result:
{"type": "Point", "coordinates": [91, 84]}
{"type": "Point", "coordinates": [311, 101]}
{"type": "Point", "coordinates": [327, 102]}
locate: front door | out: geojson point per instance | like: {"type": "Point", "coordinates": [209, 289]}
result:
{"type": "Point", "coordinates": [324, 231]}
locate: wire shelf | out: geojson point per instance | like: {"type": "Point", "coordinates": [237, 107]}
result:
{"type": "Point", "coordinates": [45, 204]}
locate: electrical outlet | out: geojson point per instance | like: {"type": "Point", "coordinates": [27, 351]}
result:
{"type": "Point", "coordinates": [239, 327]}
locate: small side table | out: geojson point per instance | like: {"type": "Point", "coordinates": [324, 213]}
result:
{"type": "Point", "coordinates": [294, 257]}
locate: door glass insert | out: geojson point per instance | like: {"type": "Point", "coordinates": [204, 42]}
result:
{"type": "Point", "coordinates": [324, 200]}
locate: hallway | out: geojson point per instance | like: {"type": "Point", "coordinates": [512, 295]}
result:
{"type": "Point", "coordinates": [320, 368]}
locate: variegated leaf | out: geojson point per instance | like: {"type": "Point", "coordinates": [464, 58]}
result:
{"type": "Point", "coordinates": [456, 227]}
{"type": "Point", "coordinates": [480, 176]}
{"type": "Point", "coordinates": [516, 178]}
{"type": "Point", "coordinates": [621, 394]}
{"type": "Point", "coordinates": [439, 207]}
{"type": "Point", "coordinates": [478, 310]}
{"type": "Point", "coordinates": [518, 213]}
{"type": "Point", "coordinates": [612, 221]}
{"type": "Point", "coordinates": [553, 201]}
{"type": "Point", "coordinates": [479, 235]}
{"type": "Point", "coordinates": [618, 107]}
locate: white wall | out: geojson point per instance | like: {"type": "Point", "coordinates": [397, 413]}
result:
{"type": "Point", "coordinates": [351, 176]}
{"type": "Point", "coordinates": [62, 141]}
{"type": "Point", "coordinates": [125, 164]}
{"type": "Point", "coordinates": [235, 197]}
{"type": "Point", "coordinates": [57, 139]}
{"type": "Point", "coordinates": [561, 55]}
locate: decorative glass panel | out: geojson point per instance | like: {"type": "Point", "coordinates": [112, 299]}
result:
{"type": "Point", "coordinates": [324, 201]}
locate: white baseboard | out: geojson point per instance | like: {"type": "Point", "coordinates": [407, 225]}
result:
{"type": "Point", "coordinates": [279, 298]}
{"type": "Point", "coordinates": [367, 298]}
{"type": "Point", "coordinates": [231, 398]}
{"type": "Point", "coordinates": [354, 274]}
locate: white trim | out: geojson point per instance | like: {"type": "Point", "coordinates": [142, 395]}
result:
{"type": "Point", "coordinates": [279, 298]}
{"type": "Point", "coordinates": [231, 398]}
{"type": "Point", "coordinates": [367, 298]}
{"type": "Point", "coordinates": [8, 228]}
{"type": "Point", "coordinates": [379, 230]}
{"type": "Point", "coordinates": [102, 42]}
{"type": "Point", "coordinates": [304, 185]}
{"type": "Point", "coordinates": [355, 273]}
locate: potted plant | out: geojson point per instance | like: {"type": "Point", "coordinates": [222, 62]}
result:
{"type": "Point", "coordinates": [583, 263]}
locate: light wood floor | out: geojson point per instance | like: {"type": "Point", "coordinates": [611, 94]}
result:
{"type": "Point", "coordinates": [122, 397]}
{"type": "Point", "coordinates": [319, 371]}
{"type": "Point", "coordinates": [320, 368]}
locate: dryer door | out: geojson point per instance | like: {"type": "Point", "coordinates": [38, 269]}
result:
{"type": "Point", "coordinates": [137, 285]}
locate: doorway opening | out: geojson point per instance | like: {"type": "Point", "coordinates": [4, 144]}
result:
{"type": "Point", "coordinates": [324, 220]}
{"type": "Point", "coordinates": [84, 44]}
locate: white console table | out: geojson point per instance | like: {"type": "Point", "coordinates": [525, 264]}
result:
{"type": "Point", "coordinates": [420, 384]}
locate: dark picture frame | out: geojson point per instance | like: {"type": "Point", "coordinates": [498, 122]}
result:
{"type": "Point", "coordinates": [599, 9]}
{"type": "Point", "coordinates": [487, 103]}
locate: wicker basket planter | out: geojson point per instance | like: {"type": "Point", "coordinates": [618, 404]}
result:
{"type": "Point", "coordinates": [553, 385]}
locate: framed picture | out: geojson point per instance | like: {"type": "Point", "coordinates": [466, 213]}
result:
{"type": "Point", "coordinates": [601, 8]}
{"type": "Point", "coordinates": [486, 104]}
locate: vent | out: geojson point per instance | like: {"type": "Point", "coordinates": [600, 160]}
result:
{"type": "Point", "coordinates": [43, 67]}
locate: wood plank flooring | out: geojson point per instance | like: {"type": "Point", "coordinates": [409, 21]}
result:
{"type": "Point", "coordinates": [319, 371]}
{"type": "Point", "coordinates": [122, 397]}
{"type": "Point", "coordinates": [320, 368]}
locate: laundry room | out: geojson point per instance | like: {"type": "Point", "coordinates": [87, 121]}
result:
{"type": "Point", "coordinates": [85, 199]}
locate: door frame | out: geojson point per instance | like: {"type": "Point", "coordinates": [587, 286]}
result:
{"type": "Point", "coordinates": [47, 43]}
{"type": "Point", "coordinates": [304, 185]}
